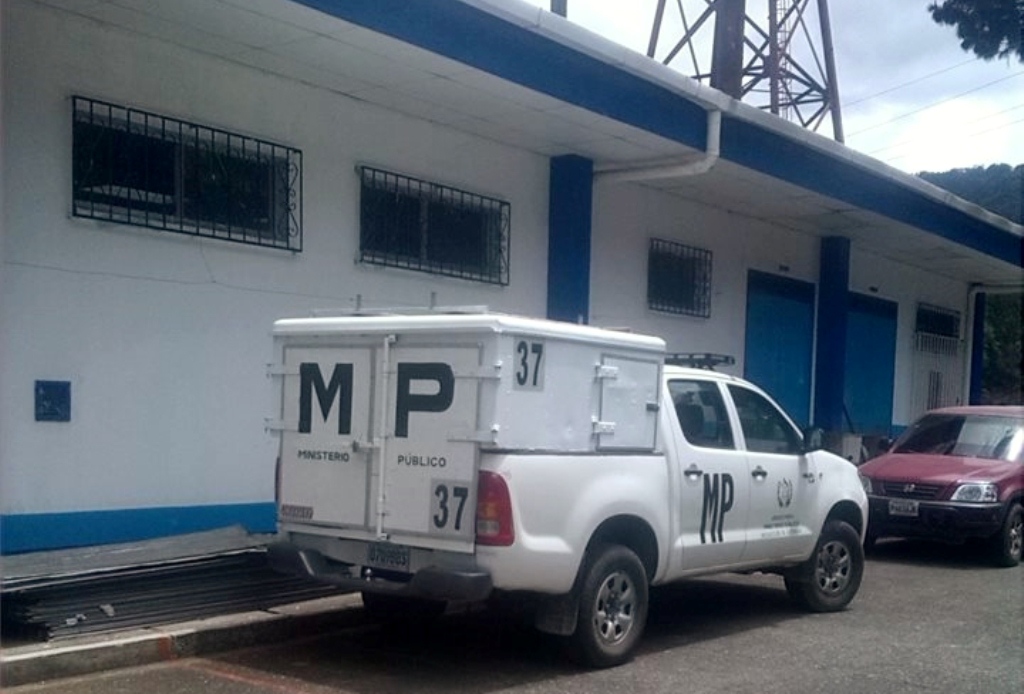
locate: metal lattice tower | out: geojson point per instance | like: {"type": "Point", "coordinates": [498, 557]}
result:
{"type": "Point", "coordinates": [786, 67]}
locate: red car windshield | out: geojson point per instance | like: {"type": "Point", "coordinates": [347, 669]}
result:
{"type": "Point", "coordinates": [976, 436]}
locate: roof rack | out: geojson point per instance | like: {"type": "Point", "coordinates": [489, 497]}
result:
{"type": "Point", "coordinates": [398, 311]}
{"type": "Point", "coordinates": [432, 308]}
{"type": "Point", "coordinates": [699, 360]}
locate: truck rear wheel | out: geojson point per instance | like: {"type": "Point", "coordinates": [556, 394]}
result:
{"type": "Point", "coordinates": [612, 607]}
{"type": "Point", "coordinates": [831, 577]}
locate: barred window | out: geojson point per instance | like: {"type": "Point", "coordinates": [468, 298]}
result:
{"type": "Point", "coordinates": [143, 169]}
{"type": "Point", "coordinates": [937, 367]}
{"type": "Point", "coordinates": [679, 279]}
{"type": "Point", "coordinates": [935, 320]}
{"type": "Point", "coordinates": [408, 223]}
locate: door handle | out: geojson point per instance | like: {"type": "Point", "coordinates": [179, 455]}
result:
{"type": "Point", "coordinates": [759, 473]}
{"type": "Point", "coordinates": [809, 476]}
{"type": "Point", "coordinates": [693, 471]}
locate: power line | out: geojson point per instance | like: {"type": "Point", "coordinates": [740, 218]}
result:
{"type": "Point", "coordinates": [910, 143]}
{"type": "Point", "coordinates": [995, 127]}
{"type": "Point", "coordinates": [907, 84]}
{"type": "Point", "coordinates": [934, 104]}
{"type": "Point", "coordinates": [904, 143]}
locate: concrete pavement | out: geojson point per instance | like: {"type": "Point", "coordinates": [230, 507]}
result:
{"type": "Point", "coordinates": [25, 663]}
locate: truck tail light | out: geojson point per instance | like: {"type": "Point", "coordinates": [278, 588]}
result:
{"type": "Point", "coordinates": [494, 511]}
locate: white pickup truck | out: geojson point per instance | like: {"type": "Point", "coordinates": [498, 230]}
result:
{"type": "Point", "coordinates": [458, 457]}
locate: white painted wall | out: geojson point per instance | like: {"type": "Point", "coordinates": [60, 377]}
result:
{"type": "Point", "coordinates": [627, 216]}
{"type": "Point", "coordinates": [164, 337]}
{"type": "Point", "coordinates": [907, 286]}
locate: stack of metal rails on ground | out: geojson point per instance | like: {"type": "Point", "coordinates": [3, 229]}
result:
{"type": "Point", "coordinates": [53, 596]}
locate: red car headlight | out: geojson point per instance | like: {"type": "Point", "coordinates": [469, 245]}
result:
{"type": "Point", "coordinates": [976, 492]}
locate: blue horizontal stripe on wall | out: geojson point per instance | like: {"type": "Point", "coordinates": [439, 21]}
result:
{"type": "Point", "coordinates": [478, 39]}
{"type": "Point", "coordinates": [35, 532]}
{"type": "Point", "coordinates": [481, 40]}
{"type": "Point", "coordinates": [775, 155]}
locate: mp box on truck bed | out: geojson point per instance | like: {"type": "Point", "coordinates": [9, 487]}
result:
{"type": "Point", "coordinates": [456, 457]}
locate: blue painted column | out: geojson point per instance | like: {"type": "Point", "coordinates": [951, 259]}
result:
{"type": "Point", "coordinates": [830, 356]}
{"type": "Point", "coordinates": [571, 197]}
{"type": "Point", "coordinates": [977, 350]}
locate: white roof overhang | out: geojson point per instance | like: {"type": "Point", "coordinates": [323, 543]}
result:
{"type": "Point", "coordinates": [516, 74]}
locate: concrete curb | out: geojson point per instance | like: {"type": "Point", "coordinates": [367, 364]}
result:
{"type": "Point", "coordinates": [34, 663]}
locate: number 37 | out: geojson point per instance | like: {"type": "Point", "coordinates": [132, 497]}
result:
{"type": "Point", "coordinates": [449, 503]}
{"type": "Point", "coordinates": [529, 365]}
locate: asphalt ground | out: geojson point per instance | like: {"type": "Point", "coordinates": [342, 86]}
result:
{"type": "Point", "coordinates": [929, 618]}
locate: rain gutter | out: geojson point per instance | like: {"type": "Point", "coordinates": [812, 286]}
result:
{"type": "Point", "coordinates": [712, 152]}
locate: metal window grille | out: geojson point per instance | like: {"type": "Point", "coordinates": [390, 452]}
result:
{"type": "Point", "coordinates": [679, 279]}
{"type": "Point", "coordinates": [937, 331]}
{"type": "Point", "coordinates": [937, 373]}
{"type": "Point", "coordinates": [408, 223]}
{"type": "Point", "coordinates": [935, 320]}
{"type": "Point", "coordinates": [937, 344]}
{"type": "Point", "coordinates": [143, 169]}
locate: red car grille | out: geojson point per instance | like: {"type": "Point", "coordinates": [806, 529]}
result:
{"type": "Point", "coordinates": [911, 490]}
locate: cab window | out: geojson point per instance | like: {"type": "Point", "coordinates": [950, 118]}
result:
{"type": "Point", "coordinates": [765, 429]}
{"type": "Point", "coordinates": [701, 412]}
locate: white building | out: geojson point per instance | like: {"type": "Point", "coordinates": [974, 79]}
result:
{"type": "Point", "coordinates": [178, 175]}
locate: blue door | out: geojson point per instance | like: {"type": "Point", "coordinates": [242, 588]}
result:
{"type": "Point", "coordinates": [780, 334]}
{"type": "Point", "coordinates": [870, 364]}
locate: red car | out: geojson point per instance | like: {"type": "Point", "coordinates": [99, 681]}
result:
{"type": "Point", "coordinates": [956, 473]}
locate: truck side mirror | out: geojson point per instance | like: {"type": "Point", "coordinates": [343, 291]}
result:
{"type": "Point", "coordinates": [814, 439]}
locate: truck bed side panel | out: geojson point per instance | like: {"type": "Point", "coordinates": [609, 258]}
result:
{"type": "Point", "coordinates": [560, 501]}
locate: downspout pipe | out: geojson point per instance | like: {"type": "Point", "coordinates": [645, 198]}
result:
{"type": "Point", "coordinates": [672, 170]}
{"type": "Point", "coordinates": [972, 296]}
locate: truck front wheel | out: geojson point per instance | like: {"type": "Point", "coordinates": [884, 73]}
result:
{"type": "Point", "coordinates": [1006, 545]}
{"type": "Point", "coordinates": [612, 607]}
{"type": "Point", "coordinates": [831, 577]}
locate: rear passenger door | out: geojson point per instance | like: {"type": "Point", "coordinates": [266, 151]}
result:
{"type": "Point", "coordinates": [712, 480]}
{"type": "Point", "coordinates": [783, 481]}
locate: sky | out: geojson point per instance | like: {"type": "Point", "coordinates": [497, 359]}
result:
{"type": "Point", "coordinates": [909, 95]}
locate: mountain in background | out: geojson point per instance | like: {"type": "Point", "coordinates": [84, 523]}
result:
{"type": "Point", "coordinates": [999, 188]}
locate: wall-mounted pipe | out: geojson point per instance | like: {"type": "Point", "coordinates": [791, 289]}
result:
{"type": "Point", "coordinates": [672, 170]}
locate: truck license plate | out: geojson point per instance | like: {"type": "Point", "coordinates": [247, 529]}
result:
{"type": "Point", "coordinates": [383, 555]}
{"type": "Point", "coordinates": [902, 507]}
